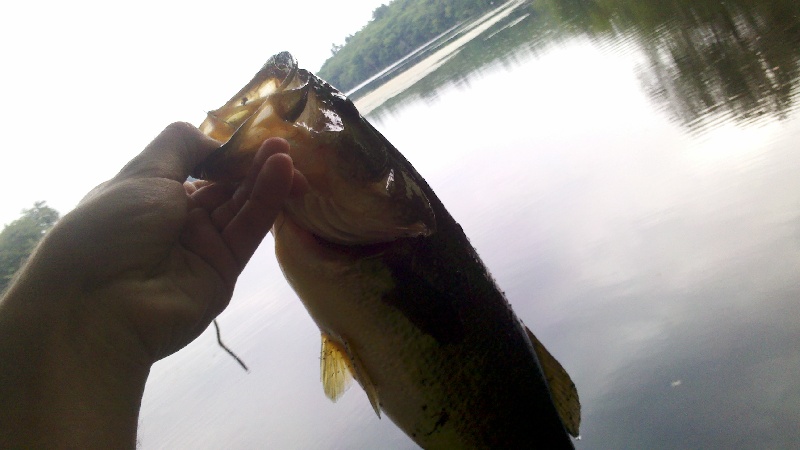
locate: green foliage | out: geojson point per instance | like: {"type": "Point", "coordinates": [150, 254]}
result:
{"type": "Point", "coordinates": [19, 238]}
{"type": "Point", "coordinates": [395, 30]}
{"type": "Point", "coordinates": [700, 60]}
{"type": "Point", "coordinates": [737, 59]}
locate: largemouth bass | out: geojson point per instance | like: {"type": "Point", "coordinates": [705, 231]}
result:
{"type": "Point", "coordinates": [403, 302]}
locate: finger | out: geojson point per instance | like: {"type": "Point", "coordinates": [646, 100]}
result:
{"type": "Point", "coordinates": [225, 213]}
{"type": "Point", "coordinates": [189, 187]}
{"type": "Point", "coordinates": [299, 185]}
{"type": "Point", "coordinates": [202, 238]}
{"type": "Point", "coordinates": [212, 196]}
{"type": "Point", "coordinates": [172, 154]}
{"type": "Point", "coordinates": [268, 148]}
{"type": "Point", "coordinates": [247, 229]}
{"type": "Point", "coordinates": [193, 186]}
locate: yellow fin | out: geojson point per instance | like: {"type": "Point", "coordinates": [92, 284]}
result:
{"type": "Point", "coordinates": [562, 389]}
{"type": "Point", "coordinates": [336, 368]}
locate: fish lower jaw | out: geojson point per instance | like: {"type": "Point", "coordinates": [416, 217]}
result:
{"type": "Point", "coordinates": [292, 234]}
{"type": "Point", "coordinates": [352, 225]}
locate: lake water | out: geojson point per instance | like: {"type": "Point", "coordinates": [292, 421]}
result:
{"type": "Point", "coordinates": [629, 173]}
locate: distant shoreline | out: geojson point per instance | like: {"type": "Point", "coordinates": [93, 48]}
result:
{"type": "Point", "coordinates": [408, 77]}
{"type": "Point", "coordinates": [395, 31]}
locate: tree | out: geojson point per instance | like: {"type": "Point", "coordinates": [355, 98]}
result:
{"type": "Point", "coordinates": [19, 238]}
{"type": "Point", "coordinates": [380, 12]}
{"type": "Point", "coordinates": [395, 29]}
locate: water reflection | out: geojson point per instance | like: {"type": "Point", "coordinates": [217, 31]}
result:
{"type": "Point", "coordinates": [716, 61]}
{"type": "Point", "coordinates": [704, 62]}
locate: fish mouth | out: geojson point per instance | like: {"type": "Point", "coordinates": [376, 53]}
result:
{"type": "Point", "coordinates": [361, 191]}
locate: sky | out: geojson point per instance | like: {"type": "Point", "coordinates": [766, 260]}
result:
{"type": "Point", "coordinates": [87, 85]}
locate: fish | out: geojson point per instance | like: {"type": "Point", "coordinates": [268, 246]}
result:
{"type": "Point", "coordinates": [404, 304]}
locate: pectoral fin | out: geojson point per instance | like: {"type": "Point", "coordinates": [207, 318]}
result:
{"type": "Point", "coordinates": [338, 366]}
{"type": "Point", "coordinates": [562, 389]}
{"type": "Point", "coordinates": [336, 369]}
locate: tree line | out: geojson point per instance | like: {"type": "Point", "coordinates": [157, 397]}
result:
{"type": "Point", "coordinates": [701, 59]}
{"type": "Point", "coordinates": [20, 237]}
{"type": "Point", "coordinates": [395, 30]}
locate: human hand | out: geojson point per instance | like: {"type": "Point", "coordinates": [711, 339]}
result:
{"type": "Point", "coordinates": [137, 271]}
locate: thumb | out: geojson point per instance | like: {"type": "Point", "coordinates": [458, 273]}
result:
{"type": "Point", "coordinates": [172, 154]}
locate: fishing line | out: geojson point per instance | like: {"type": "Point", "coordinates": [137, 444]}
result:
{"type": "Point", "coordinates": [225, 347]}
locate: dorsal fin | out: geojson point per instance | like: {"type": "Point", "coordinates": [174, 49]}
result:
{"type": "Point", "coordinates": [562, 389]}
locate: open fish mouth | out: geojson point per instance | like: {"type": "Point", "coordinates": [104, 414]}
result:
{"type": "Point", "coordinates": [358, 193]}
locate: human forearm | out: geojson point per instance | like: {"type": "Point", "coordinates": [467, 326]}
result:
{"type": "Point", "coordinates": [60, 387]}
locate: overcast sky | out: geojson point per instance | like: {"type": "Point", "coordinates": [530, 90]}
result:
{"type": "Point", "coordinates": [86, 85]}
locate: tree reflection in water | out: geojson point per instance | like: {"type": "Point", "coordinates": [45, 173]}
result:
{"type": "Point", "coordinates": [705, 61]}
{"type": "Point", "coordinates": [725, 61]}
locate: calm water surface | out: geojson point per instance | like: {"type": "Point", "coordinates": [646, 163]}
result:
{"type": "Point", "coordinates": [629, 173]}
